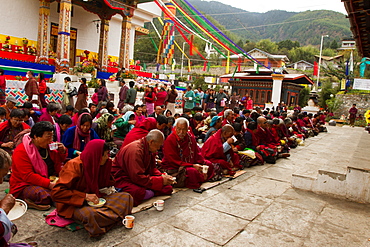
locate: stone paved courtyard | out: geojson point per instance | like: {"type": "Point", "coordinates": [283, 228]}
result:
{"type": "Point", "coordinates": [259, 208]}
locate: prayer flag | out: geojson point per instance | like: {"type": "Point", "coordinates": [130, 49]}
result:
{"type": "Point", "coordinates": [315, 68]}
{"type": "Point", "coordinates": [351, 63]}
{"type": "Point", "coordinates": [347, 67]}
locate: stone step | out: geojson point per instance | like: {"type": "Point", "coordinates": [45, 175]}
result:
{"type": "Point", "coordinates": [343, 173]}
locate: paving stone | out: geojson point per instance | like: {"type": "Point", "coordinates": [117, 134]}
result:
{"type": "Point", "coordinates": [355, 219]}
{"type": "Point", "coordinates": [258, 235]}
{"type": "Point", "coordinates": [209, 224]}
{"type": "Point", "coordinates": [293, 220]}
{"type": "Point", "coordinates": [264, 187]}
{"type": "Point", "coordinates": [62, 237]}
{"type": "Point", "coordinates": [165, 235]}
{"type": "Point", "coordinates": [30, 225]}
{"type": "Point", "coordinates": [302, 199]}
{"type": "Point", "coordinates": [244, 205]}
{"type": "Point", "coordinates": [278, 173]}
{"type": "Point", "coordinates": [331, 235]}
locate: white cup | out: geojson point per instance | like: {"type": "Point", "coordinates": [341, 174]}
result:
{"type": "Point", "coordinates": [128, 221]}
{"type": "Point", "coordinates": [159, 205]}
{"type": "Point", "coordinates": [205, 169]}
{"type": "Point", "coordinates": [53, 146]}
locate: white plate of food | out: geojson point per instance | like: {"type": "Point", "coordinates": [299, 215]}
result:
{"type": "Point", "coordinates": [19, 209]}
{"type": "Point", "coordinates": [102, 201]}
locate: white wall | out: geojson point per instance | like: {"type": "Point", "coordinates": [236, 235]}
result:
{"type": "Point", "coordinates": [19, 18]}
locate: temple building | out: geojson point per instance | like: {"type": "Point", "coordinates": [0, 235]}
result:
{"type": "Point", "coordinates": [62, 33]}
{"type": "Point", "coordinates": [267, 88]}
{"type": "Point", "coordinates": [265, 58]}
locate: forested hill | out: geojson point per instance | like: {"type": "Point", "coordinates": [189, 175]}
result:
{"type": "Point", "coordinates": [304, 27]}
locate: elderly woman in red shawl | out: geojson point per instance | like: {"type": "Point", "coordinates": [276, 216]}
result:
{"type": "Point", "coordinates": [33, 163]}
{"type": "Point", "coordinates": [218, 149]}
{"type": "Point", "coordinates": [86, 179]}
{"type": "Point", "coordinates": [144, 128]}
{"type": "Point", "coordinates": [76, 137]}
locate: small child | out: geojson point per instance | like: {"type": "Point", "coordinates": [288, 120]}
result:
{"type": "Point", "coordinates": [95, 98]}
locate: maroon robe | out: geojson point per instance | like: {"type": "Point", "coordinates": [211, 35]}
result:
{"type": "Point", "coordinates": [140, 131]}
{"type": "Point", "coordinates": [265, 137]}
{"type": "Point", "coordinates": [213, 150]}
{"type": "Point", "coordinates": [134, 170]}
{"type": "Point", "coordinates": [185, 153]}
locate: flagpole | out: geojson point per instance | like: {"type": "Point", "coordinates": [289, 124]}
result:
{"type": "Point", "coordinates": [315, 89]}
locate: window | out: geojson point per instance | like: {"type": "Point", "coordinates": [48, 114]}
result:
{"type": "Point", "coordinates": [263, 97]}
{"type": "Point", "coordinates": [257, 96]}
{"type": "Point", "coordinates": [268, 96]}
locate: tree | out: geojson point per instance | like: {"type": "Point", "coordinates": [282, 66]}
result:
{"type": "Point", "coordinates": [288, 44]}
{"type": "Point", "coordinates": [334, 104]}
{"type": "Point", "coordinates": [306, 53]}
{"type": "Point", "coordinates": [334, 45]}
{"type": "Point", "coordinates": [304, 95]}
{"type": "Point", "coordinates": [326, 90]}
{"type": "Point", "coordinates": [329, 52]}
{"type": "Point", "coordinates": [267, 46]}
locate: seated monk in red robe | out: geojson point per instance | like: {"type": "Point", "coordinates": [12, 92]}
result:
{"type": "Point", "coordinates": [266, 138]}
{"type": "Point", "coordinates": [135, 172]}
{"type": "Point", "coordinates": [183, 159]}
{"type": "Point", "coordinates": [218, 149]}
{"type": "Point", "coordinates": [144, 127]}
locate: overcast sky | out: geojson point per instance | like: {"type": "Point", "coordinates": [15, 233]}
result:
{"type": "Point", "coordinates": [288, 5]}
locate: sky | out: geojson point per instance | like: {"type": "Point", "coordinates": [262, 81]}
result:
{"type": "Point", "coordinates": [288, 5]}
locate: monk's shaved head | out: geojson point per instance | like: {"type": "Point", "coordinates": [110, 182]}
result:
{"type": "Point", "coordinates": [227, 128]}
{"type": "Point", "coordinates": [155, 135]}
{"type": "Point", "coordinates": [155, 140]}
{"type": "Point", "coordinates": [261, 120]}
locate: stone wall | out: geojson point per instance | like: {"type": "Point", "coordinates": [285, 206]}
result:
{"type": "Point", "coordinates": [362, 103]}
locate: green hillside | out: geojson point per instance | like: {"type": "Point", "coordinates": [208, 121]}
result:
{"type": "Point", "coordinates": [304, 27]}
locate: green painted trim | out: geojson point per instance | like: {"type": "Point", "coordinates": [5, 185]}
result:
{"type": "Point", "coordinates": [25, 70]}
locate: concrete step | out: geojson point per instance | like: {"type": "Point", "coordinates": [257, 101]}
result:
{"type": "Point", "coordinates": [342, 171]}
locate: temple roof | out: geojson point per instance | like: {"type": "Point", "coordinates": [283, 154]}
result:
{"type": "Point", "coordinates": [359, 18]}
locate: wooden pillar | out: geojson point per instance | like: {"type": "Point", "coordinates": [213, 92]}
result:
{"type": "Point", "coordinates": [103, 44]}
{"type": "Point", "coordinates": [44, 27]}
{"type": "Point", "coordinates": [124, 53]}
{"type": "Point", "coordinates": [64, 34]}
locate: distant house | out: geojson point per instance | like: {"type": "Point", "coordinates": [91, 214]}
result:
{"type": "Point", "coordinates": [265, 58]}
{"type": "Point", "coordinates": [348, 44]}
{"type": "Point", "coordinates": [334, 61]}
{"type": "Point", "coordinates": [301, 65]}
{"type": "Point", "coordinates": [259, 85]}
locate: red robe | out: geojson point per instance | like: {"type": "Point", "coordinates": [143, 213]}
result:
{"type": "Point", "coordinates": [186, 153]}
{"type": "Point", "coordinates": [213, 150]}
{"type": "Point", "coordinates": [134, 170]}
{"type": "Point", "coordinates": [264, 137]}
{"type": "Point", "coordinates": [140, 131]}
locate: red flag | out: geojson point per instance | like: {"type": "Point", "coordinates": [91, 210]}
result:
{"type": "Point", "coordinates": [315, 68]}
{"type": "Point", "coordinates": [191, 45]}
{"type": "Point", "coordinates": [205, 65]}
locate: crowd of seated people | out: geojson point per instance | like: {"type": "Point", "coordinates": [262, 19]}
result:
{"type": "Point", "coordinates": [100, 150]}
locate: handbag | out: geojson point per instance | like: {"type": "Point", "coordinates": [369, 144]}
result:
{"type": "Point", "coordinates": [48, 91]}
{"type": "Point", "coordinates": [73, 92]}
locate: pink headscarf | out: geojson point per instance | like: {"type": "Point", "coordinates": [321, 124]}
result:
{"type": "Point", "coordinates": [33, 153]}
{"type": "Point", "coordinates": [96, 176]}
{"type": "Point", "coordinates": [79, 133]}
